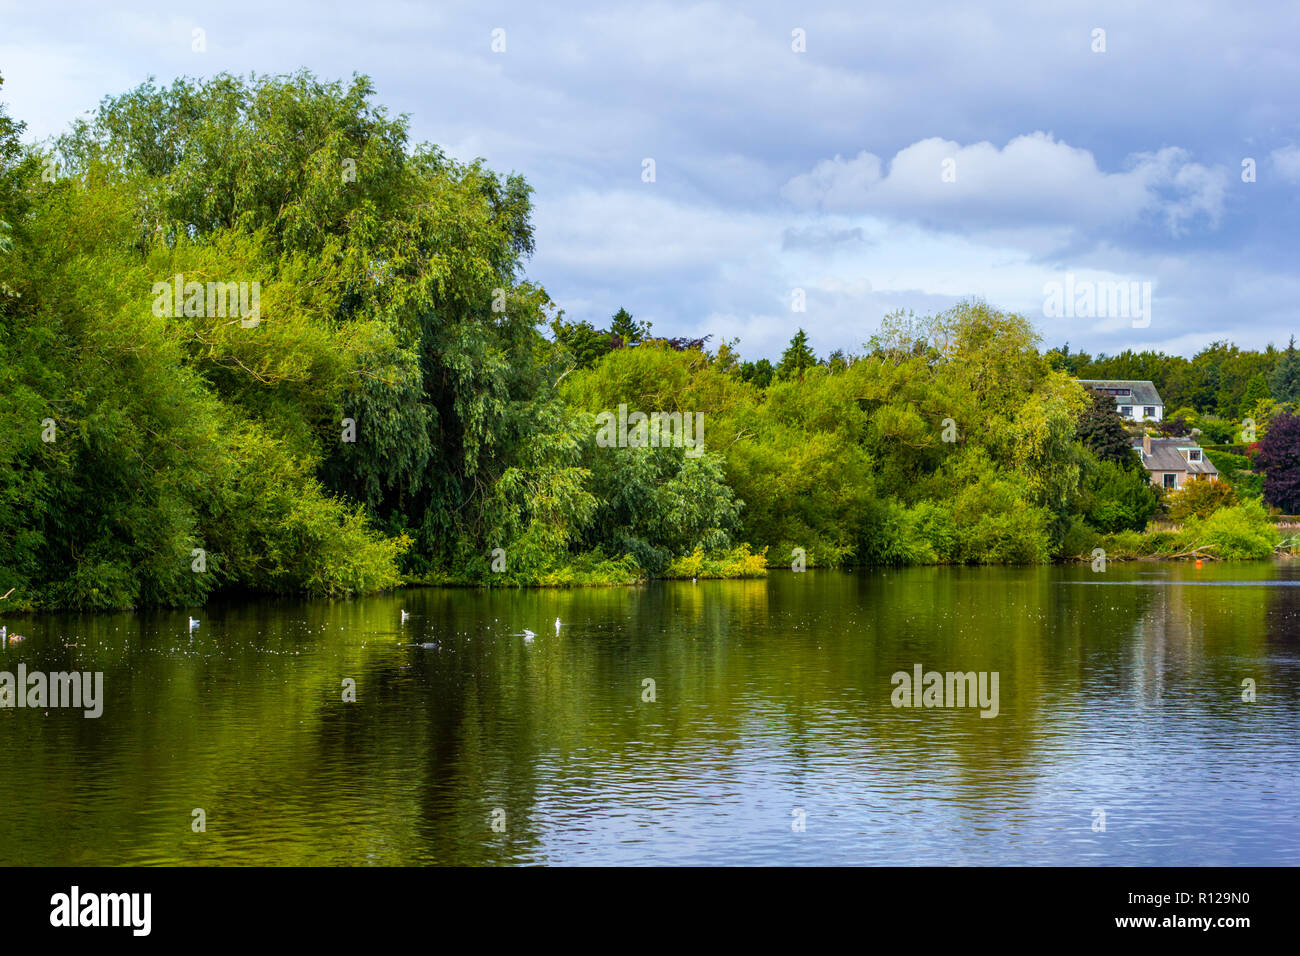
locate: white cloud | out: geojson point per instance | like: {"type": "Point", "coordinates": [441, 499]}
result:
{"type": "Point", "coordinates": [1034, 179]}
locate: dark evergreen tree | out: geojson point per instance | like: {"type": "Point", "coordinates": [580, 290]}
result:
{"type": "Point", "coordinates": [757, 373]}
{"type": "Point", "coordinates": [1285, 380]}
{"type": "Point", "coordinates": [797, 357]}
{"type": "Point", "coordinates": [1102, 431]}
{"type": "Point", "coordinates": [627, 330]}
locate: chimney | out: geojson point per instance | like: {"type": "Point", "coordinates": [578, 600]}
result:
{"type": "Point", "coordinates": [1146, 444]}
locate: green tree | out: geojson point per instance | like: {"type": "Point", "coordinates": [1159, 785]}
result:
{"type": "Point", "coordinates": [628, 330]}
{"type": "Point", "coordinates": [759, 373]}
{"type": "Point", "coordinates": [1102, 431]}
{"type": "Point", "coordinates": [797, 357]}
{"type": "Point", "coordinates": [586, 344]}
{"type": "Point", "coordinates": [1284, 382]}
{"type": "Point", "coordinates": [1117, 498]}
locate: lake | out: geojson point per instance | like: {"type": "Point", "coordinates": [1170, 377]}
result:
{"type": "Point", "coordinates": [1121, 734]}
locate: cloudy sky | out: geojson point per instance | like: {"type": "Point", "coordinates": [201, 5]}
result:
{"type": "Point", "coordinates": [910, 155]}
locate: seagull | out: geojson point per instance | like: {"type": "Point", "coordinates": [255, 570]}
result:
{"type": "Point", "coordinates": [557, 625]}
{"type": "Point", "coordinates": [427, 646]}
{"type": "Point", "coordinates": [527, 636]}
{"type": "Point", "coordinates": [193, 624]}
{"type": "Point", "coordinates": [405, 615]}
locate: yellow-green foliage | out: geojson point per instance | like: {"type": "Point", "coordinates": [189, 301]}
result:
{"type": "Point", "coordinates": [738, 562]}
{"type": "Point", "coordinates": [1239, 533]}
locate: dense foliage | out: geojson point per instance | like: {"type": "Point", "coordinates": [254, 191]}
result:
{"type": "Point", "coordinates": [1278, 455]}
{"type": "Point", "coordinates": [394, 411]}
{"type": "Point", "coordinates": [1239, 533]}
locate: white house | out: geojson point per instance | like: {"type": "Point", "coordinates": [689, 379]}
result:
{"type": "Point", "coordinates": [1135, 401]}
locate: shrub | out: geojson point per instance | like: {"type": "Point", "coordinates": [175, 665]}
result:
{"type": "Point", "coordinates": [1125, 544]}
{"type": "Point", "coordinates": [818, 554]}
{"type": "Point", "coordinates": [1238, 533]}
{"type": "Point", "coordinates": [738, 562]}
{"type": "Point", "coordinates": [593, 569]}
{"type": "Point", "coordinates": [1079, 538]}
{"type": "Point", "coordinates": [1118, 498]}
{"type": "Point", "coordinates": [1200, 499]}
{"type": "Point", "coordinates": [893, 536]}
{"type": "Point", "coordinates": [936, 526]}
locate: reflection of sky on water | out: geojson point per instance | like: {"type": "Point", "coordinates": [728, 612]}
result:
{"type": "Point", "coordinates": [772, 696]}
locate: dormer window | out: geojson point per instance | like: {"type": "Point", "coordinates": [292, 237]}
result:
{"type": "Point", "coordinates": [1193, 454]}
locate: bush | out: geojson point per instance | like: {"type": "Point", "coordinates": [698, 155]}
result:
{"type": "Point", "coordinates": [1200, 499]}
{"type": "Point", "coordinates": [1240, 533]}
{"type": "Point", "coordinates": [1008, 538]}
{"type": "Point", "coordinates": [1135, 544]}
{"type": "Point", "coordinates": [593, 569]}
{"type": "Point", "coordinates": [1125, 544]}
{"type": "Point", "coordinates": [1116, 498]}
{"type": "Point", "coordinates": [738, 562]}
{"type": "Point", "coordinates": [893, 536]}
{"type": "Point", "coordinates": [936, 526]}
{"type": "Point", "coordinates": [1079, 538]}
{"type": "Point", "coordinates": [820, 554]}
{"type": "Point", "coordinates": [1215, 430]}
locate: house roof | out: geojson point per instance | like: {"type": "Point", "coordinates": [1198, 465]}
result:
{"type": "Point", "coordinates": [1144, 393]}
{"type": "Point", "coordinates": [1165, 456]}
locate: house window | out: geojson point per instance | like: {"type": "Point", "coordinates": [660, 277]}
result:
{"type": "Point", "coordinates": [1171, 480]}
{"type": "Point", "coordinates": [1126, 411]}
{"type": "Point", "coordinates": [1148, 411]}
{"type": "Point", "coordinates": [1194, 454]}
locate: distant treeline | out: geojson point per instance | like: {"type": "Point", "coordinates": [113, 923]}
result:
{"type": "Point", "coordinates": [1220, 380]}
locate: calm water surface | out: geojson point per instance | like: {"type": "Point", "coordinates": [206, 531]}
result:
{"type": "Point", "coordinates": [771, 696]}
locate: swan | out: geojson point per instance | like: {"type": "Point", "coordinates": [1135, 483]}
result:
{"type": "Point", "coordinates": [405, 615]}
{"type": "Point", "coordinates": [193, 623]}
{"type": "Point", "coordinates": [557, 625]}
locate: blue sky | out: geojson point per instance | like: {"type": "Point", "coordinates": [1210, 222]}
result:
{"type": "Point", "coordinates": [819, 170]}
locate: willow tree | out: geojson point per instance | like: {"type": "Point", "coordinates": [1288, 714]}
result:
{"type": "Point", "coordinates": [399, 301]}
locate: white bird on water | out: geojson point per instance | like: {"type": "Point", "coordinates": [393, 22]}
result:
{"type": "Point", "coordinates": [557, 625]}
{"type": "Point", "coordinates": [405, 615]}
{"type": "Point", "coordinates": [527, 636]}
{"type": "Point", "coordinates": [193, 624]}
